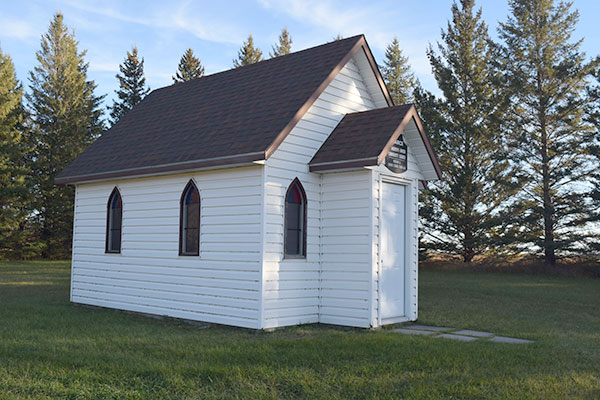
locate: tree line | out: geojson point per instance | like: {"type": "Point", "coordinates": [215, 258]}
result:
{"type": "Point", "coordinates": [517, 133]}
{"type": "Point", "coordinates": [516, 130]}
{"type": "Point", "coordinates": [47, 126]}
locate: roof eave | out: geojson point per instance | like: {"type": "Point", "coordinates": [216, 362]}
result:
{"type": "Point", "coordinates": [167, 169]}
{"type": "Point", "coordinates": [343, 164]}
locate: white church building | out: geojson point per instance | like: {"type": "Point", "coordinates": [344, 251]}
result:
{"type": "Point", "coordinates": [279, 193]}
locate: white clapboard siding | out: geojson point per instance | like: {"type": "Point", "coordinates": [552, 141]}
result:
{"type": "Point", "coordinates": [418, 152]}
{"type": "Point", "coordinates": [376, 199]}
{"type": "Point", "coordinates": [413, 259]}
{"type": "Point", "coordinates": [222, 285]}
{"type": "Point", "coordinates": [346, 248]}
{"type": "Point", "coordinates": [292, 287]}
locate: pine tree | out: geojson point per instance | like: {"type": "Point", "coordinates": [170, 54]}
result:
{"type": "Point", "coordinates": [546, 76]}
{"type": "Point", "coordinates": [13, 186]}
{"type": "Point", "coordinates": [284, 46]}
{"type": "Point", "coordinates": [248, 54]}
{"type": "Point", "coordinates": [189, 68]}
{"type": "Point", "coordinates": [132, 85]}
{"type": "Point", "coordinates": [593, 117]}
{"type": "Point", "coordinates": [397, 74]}
{"type": "Point", "coordinates": [461, 213]}
{"type": "Point", "coordinates": [66, 118]}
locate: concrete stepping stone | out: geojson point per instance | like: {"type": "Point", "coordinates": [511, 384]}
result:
{"type": "Point", "coordinates": [462, 338]}
{"type": "Point", "coordinates": [464, 335]}
{"type": "Point", "coordinates": [430, 328]}
{"type": "Point", "coordinates": [413, 331]}
{"type": "Point", "coordinates": [504, 339]}
{"type": "Point", "coordinates": [469, 332]}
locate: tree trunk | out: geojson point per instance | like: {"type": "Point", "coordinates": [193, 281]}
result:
{"type": "Point", "coordinates": [549, 255]}
{"type": "Point", "coordinates": [468, 254]}
{"type": "Point", "coordinates": [468, 243]}
{"type": "Point", "coordinates": [548, 214]}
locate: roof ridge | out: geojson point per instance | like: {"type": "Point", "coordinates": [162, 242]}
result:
{"type": "Point", "coordinates": [249, 66]}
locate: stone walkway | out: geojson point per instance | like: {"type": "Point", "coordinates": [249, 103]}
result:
{"type": "Point", "coordinates": [464, 335]}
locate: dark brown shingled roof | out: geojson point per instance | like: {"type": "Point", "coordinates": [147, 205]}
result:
{"type": "Point", "coordinates": [229, 118]}
{"type": "Point", "coordinates": [364, 138]}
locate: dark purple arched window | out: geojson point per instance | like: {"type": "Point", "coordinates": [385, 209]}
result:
{"type": "Point", "coordinates": [295, 220]}
{"type": "Point", "coordinates": [189, 222]}
{"type": "Point", "coordinates": [114, 220]}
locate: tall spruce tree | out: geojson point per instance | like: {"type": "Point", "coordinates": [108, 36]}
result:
{"type": "Point", "coordinates": [593, 117]}
{"type": "Point", "coordinates": [461, 213]}
{"type": "Point", "coordinates": [284, 44]}
{"type": "Point", "coordinates": [546, 75]}
{"type": "Point", "coordinates": [13, 172]}
{"type": "Point", "coordinates": [248, 54]}
{"type": "Point", "coordinates": [132, 85]}
{"type": "Point", "coordinates": [66, 118]}
{"type": "Point", "coordinates": [189, 68]}
{"type": "Point", "coordinates": [397, 74]}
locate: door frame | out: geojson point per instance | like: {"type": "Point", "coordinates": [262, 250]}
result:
{"type": "Point", "coordinates": [407, 183]}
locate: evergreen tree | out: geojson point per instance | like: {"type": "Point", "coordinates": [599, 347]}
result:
{"type": "Point", "coordinates": [428, 107]}
{"type": "Point", "coordinates": [461, 213]}
{"type": "Point", "coordinates": [284, 46]}
{"type": "Point", "coordinates": [248, 54]}
{"type": "Point", "coordinates": [13, 187]}
{"type": "Point", "coordinates": [66, 118]}
{"type": "Point", "coordinates": [593, 117]}
{"type": "Point", "coordinates": [132, 85]}
{"type": "Point", "coordinates": [397, 74]}
{"type": "Point", "coordinates": [546, 76]}
{"type": "Point", "coordinates": [189, 68]}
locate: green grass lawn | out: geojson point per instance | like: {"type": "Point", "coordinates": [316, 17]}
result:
{"type": "Point", "coordinates": [52, 349]}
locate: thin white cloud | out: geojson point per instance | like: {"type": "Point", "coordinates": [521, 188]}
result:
{"type": "Point", "coordinates": [17, 29]}
{"type": "Point", "coordinates": [108, 12]}
{"type": "Point", "coordinates": [100, 66]}
{"type": "Point", "coordinates": [321, 13]}
{"type": "Point", "coordinates": [176, 17]}
{"type": "Point", "coordinates": [340, 17]}
{"type": "Point", "coordinates": [196, 22]}
{"type": "Point", "coordinates": [376, 20]}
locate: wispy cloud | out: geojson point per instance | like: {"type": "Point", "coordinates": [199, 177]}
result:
{"type": "Point", "coordinates": [109, 12]}
{"type": "Point", "coordinates": [375, 19]}
{"type": "Point", "coordinates": [337, 17]}
{"type": "Point", "coordinates": [184, 17]}
{"type": "Point", "coordinates": [103, 66]}
{"type": "Point", "coordinates": [17, 29]}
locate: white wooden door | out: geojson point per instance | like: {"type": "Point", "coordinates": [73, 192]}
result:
{"type": "Point", "coordinates": [391, 284]}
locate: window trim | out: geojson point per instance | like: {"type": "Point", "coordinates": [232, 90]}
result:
{"type": "Point", "coordinates": [107, 250]}
{"type": "Point", "coordinates": [302, 256]}
{"type": "Point", "coordinates": [191, 183]}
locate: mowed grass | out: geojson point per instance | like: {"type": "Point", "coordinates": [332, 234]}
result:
{"type": "Point", "coordinates": [52, 349]}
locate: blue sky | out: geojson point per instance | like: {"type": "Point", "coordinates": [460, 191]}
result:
{"type": "Point", "coordinates": [162, 30]}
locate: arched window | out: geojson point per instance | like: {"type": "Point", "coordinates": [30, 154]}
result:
{"type": "Point", "coordinates": [189, 221]}
{"type": "Point", "coordinates": [114, 221]}
{"type": "Point", "coordinates": [295, 220]}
